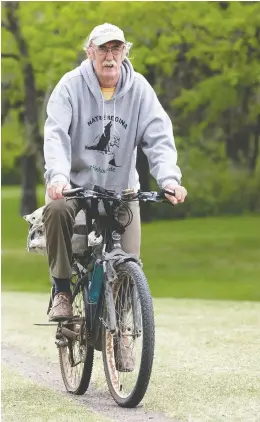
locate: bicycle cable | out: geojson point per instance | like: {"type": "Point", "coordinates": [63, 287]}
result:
{"type": "Point", "coordinates": [129, 213]}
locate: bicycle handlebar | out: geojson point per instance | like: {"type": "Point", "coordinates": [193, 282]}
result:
{"type": "Point", "coordinates": [126, 195]}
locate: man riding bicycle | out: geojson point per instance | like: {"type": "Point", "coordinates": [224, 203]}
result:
{"type": "Point", "coordinates": [97, 116]}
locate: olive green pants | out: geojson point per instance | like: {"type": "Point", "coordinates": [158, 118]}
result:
{"type": "Point", "coordinates": [59, 219]}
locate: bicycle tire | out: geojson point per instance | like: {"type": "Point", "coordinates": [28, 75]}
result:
{"type": "Point", "coordinates": [82, 385]}
{"type": "Point", "coordinates": [148, 340]}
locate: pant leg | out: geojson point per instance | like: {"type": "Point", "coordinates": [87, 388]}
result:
{"type": "Point", "coordinates": [131, 239]}
{"type": "Point", "coordinates": [59, 219]}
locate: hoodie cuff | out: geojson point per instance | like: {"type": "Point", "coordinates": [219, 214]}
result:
{"type": "Point", "coordinates": [172, 182]}
{"type": "Point", "coordinates": [59, 178]}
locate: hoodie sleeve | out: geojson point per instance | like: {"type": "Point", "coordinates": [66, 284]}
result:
{"type": "Point", "coordinates": [57, 142]}
{"type": "Point", "coordinates": [157, 140]}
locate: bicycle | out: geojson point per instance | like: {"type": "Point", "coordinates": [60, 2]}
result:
{"type": "Point", "coordinates": [112, 304]}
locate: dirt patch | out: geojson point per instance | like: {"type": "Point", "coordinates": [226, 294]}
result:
{"type": "Point", "coordinates": [48, 375]}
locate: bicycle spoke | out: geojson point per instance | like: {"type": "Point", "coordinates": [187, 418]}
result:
{"type": "Point", "coordinates": [128, 354]}
{"type": "Point", "coordinates": [124, 381]}
{"type": "Point", "coordinates": [76, 359]}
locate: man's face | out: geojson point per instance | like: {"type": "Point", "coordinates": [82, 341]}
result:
{"type": "Point", "coordinates": [107, 59]}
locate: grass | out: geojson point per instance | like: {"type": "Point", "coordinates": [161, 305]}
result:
{"type": "Point", "coordinates": [20, 270]}
{"type": "Point", "coordinates": [194, 258]}
{"type": "Point", "coordinates": [206, 365]}
{"type": "Point", "coordinates": [25, 400]}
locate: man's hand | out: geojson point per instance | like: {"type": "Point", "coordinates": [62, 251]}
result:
{"type": "Point", "coordinates": [55, 190]}
{"type": "Point", "coordinates": [180, 194]}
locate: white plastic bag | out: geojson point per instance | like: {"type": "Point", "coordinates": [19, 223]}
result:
{"type": "Point", "coordinates": [36, 241]}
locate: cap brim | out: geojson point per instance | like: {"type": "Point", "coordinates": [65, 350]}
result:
{"type": "Point", "coordinates": [106, 38]}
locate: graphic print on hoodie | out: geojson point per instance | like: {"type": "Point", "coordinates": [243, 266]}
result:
{"type": "Point", "coordinates": [105, 145]}
{"type": "Point", "coordinates": [91, 141]}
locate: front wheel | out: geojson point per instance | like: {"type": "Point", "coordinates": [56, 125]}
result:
{"type": "Point", "coordinates": [128, 354]}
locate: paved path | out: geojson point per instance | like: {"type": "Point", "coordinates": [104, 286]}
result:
{"type": "Point", "coordinates": [48, 375]}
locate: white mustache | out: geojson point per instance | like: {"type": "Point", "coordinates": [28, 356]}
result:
{"type": "Point", "coordinates": [109, 63]}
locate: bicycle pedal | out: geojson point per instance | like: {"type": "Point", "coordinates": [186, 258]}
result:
{"type": "Point", "coordinates": [47, 324]}
{"type": "Point", "coordinates": [62, 342]}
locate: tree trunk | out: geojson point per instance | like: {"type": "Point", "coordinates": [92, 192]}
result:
{"type": "Point", "coordinates": [28, 161]}
{"type": "Point", "coordinates": [29, 178]}
{"type": "Point", "coordinates": [142, 164]}
{"type": "Point", "coordinates": [144, 177]}
{"type": "Point", "coordinates": [255, 152]}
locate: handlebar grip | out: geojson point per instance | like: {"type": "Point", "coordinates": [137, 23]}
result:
{"type": "Point", "coordinates": [161, 194]}
{"type": "Point", "coordinates": [70, 192]}
{"type": "Point", "coordinates": [169, 192]}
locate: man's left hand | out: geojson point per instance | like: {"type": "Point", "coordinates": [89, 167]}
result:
{"type": "Point", "coordinates": [180, 194]}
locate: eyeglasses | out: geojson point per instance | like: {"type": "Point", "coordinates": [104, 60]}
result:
{"type": "Point", "coordinates": [103, 50]}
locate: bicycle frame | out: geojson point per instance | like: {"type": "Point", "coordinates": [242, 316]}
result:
{"type": "Point", "coordinates": [111, 240]}
{"type": "Point", "coordinates": [109, 313]}
{"type": "Point", "coordinates": [109, 252]}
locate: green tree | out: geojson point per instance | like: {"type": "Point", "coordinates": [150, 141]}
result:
{"type": "Point", "coordinates": [224, 51]}
{"type": "Point", "coordinates": [202, 59]}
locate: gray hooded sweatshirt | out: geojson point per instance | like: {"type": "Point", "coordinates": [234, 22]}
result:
{"type": "Point", "coordinates": [90, 141]}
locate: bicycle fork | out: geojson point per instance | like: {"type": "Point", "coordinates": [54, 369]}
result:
{"type": "Point", "coordinates": [110, 292]}
{"type": "Point", "coordinates": [110, 304]}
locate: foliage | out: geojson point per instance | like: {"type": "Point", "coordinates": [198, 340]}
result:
{"type": "Point", "coordinates": [14, 136]}
{"type": "Point", "coordinates": [203, 59]}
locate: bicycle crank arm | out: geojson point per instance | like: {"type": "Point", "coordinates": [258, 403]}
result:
{"type": "Point", "coordinates": [69, 333]}
{"type": "Point", "coordinates": [62, 342]}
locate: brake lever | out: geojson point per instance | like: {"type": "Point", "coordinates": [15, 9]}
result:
{"type": "Point", "coordinates": [169, 192]}
{"type": "Point", "coordinates": [68, 192]}
{"type": "Point", "coordinates": [161, 196]}
{"type": "Point", "coordinates": [71, 197]}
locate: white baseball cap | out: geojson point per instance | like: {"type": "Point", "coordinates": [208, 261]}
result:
{"type": "Point", "coordinates": [105, 33]}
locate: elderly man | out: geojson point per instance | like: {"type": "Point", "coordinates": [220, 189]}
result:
{"type": "Point", "coordinates": [97, 116]}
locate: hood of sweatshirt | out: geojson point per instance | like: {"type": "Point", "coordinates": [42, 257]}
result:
{"type": "Point", "coordinates": [124, 84]}
{"type": "Point", "coordinates": [92, 141]}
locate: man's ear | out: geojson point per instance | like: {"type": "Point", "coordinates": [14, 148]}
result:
{"type": "Point", "coordinates": [90, 53]}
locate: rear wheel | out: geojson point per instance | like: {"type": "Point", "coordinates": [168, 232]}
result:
{"type": "Point", "coordinates": [128, 354]}
{"type": "Point", "coordinates": [75, 355]}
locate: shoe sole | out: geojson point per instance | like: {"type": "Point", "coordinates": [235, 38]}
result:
{"type": "Point", "coordinates": [60, 318]}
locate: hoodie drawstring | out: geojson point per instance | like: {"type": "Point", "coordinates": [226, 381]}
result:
{"type": "Point", "coordinates": [114, 126]}
{"type": "Point", "coordinates": [103, 114]}
{"type": "Point", "coordinates": [114, 116]}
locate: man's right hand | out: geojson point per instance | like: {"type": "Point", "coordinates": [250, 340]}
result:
{"type": "Point", "coordinates": [55, 190]}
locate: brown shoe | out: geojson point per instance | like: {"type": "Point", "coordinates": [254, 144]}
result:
{"type": "Point", "coordinates": [61, 308]}
{"type": "Point", "coordinates": [125, 361]}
